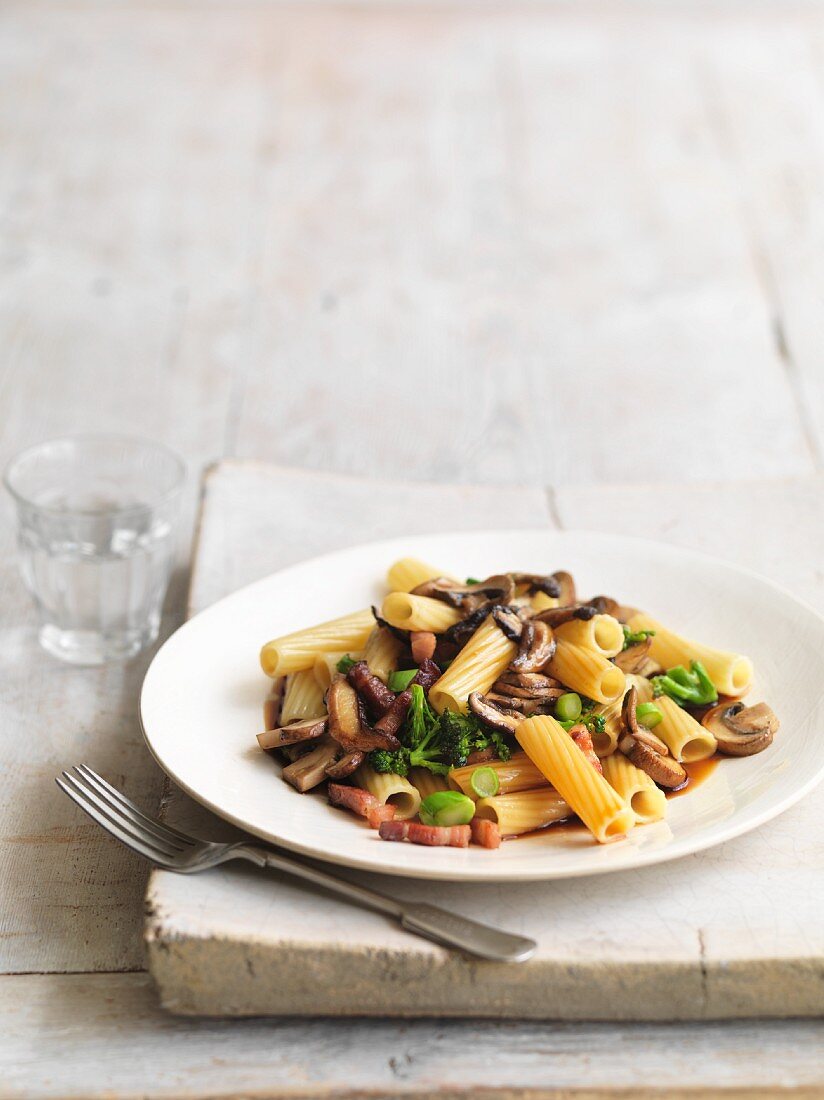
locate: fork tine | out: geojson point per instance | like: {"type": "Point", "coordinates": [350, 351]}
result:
{"type": "Point", "coordinates": [110, 811]}
{"type": "Point", "coordinates": [112, 794]}
{"type": "Point", "coordinates": [80, 800]}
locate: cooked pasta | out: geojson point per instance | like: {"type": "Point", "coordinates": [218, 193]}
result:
{"type": "Point", "coordinates": [647, 802]}
{"type": "Point", "coordinates": [297, 651]}
{"type": "Point", "coordinates": [326, 664]}
{"type": "Point", "coordinates": [523, 811]}
{"type": "Point", "coordinates": [408, 612]}
{"type": "Point", "coordinates": [516, 774]}
{"type": "Point", "coordinates": [567, 769]}
{"type": "Point", "coordinates": [407, 573]}
{"type": "Point", "coordinates": [382, 652]}
{"type": "Point", "coordinates": [601, 634]}
{"type": "Point", "coordinates": [426, 782]}
{"type": "Point", "coordinates": [303, 697]}
{"type": "Point", "coordinates": [731, 673]}
{"type": "Point", "coordinates": [587, 672]}
{"type": "Point", "coordinates": [685, 738]}
{"type": "Point", "coordinates": [395, 790]}
{"type": "Point", "coordinates": [486, 709]}
{"type": "Point", "coordinates": [476, 668]}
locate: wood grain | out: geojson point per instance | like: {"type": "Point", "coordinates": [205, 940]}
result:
{"type": "Point", "coordinates": [107, 1037]}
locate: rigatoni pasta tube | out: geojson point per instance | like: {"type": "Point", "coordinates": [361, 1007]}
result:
{"type": "Point", "coordinates": [602, 634]}
{"type": "Point", "coordinates": [476, 668]}
{"type": "Point", "coordinates": [646, 801]}
{"type": "Point", "coordinates": [326, 665]}
{"type": "Point", "coordinates": [516, 774]}
{"type": "Point", "coordinates": [303, 697]}
{"type": "Point", "coordinates": [606, 743]}
{"type": "Point", "coordinates": [565, 767]}
{"type": "Point", "coordinates": [408, 573]}
{"type": "Point", "coordinates": [382, 652]}
{"type": "Point", "coordinates": [408, 612]}
{"type": "Point", "coordinates": [685, 738]}
{"type": "Point", "coordinates": [731, 673]}
{"type": "Point", "coordinates": [389, 788]}
{"type": "Point", "coordinates": [426, 782]}
{"type": "Point", "coordinates": [586, 672]}
{"type": "Point", "coordinates": [523, 811]}
{"type": "Point", "coordinates": [297, 651]}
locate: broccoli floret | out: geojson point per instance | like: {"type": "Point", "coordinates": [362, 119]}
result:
{"type": "Point", "coordinates": [395, 762]}
{"type": "Point", "coordinates": [688, 689]}
{"type": "Point", "coordinates": [463, 734]}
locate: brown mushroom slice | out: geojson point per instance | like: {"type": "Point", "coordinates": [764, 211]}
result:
{"type": "Point", "coordinates": [305, 730]}
{"type": "Point", "coordinates": [662, 770]}
{"type": "Point", "coordinates": [505, 721]}
{"type": "Point", "coordinates": [634, 658]}
{"type": "Point", "coordinates": [310, 769]}
{"type": "Point", "coordinates": [537, 583]}
{"type": "Point", "coordinates": [535, 648]}
{"type": "Point", "coordinates": [509, 621]}
{"type": "Point", "coordinates": [557, 616]}
{"type": "Point", "coordinates": [604, 605]}
{"type": "Point", "coordinates": [462, 631]}
{"type": "Point", "coordinates": [346, 765]}
{"type": "Point", "coordinates": [529, 685]}
{"type": "Point", "coordinates": [500, 587]}
{"type": "Point", "coordinates": [566, 587]}
{"type": "Point", "coordinates": [346, 724]}
{"type": "Point", "coordinates": [741, 730]}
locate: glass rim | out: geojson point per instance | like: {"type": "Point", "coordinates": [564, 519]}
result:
{"type": "Point", "coordinates": [179, 464]}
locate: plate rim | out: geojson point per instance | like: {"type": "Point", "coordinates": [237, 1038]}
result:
{"type": "Point", "coordinates": [489, 874]}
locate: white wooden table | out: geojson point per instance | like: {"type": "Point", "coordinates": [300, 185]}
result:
{"type": "Point", "coordinates": [556, 246]}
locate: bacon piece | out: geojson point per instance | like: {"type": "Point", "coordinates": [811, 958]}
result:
{"type": "Point", "coordinates": [392, 720]}
{"type": "Point", "coordinates": [371, 688]}
{"type": "Point", "coordinates": [452, 836]}
{"type": "Point", "coordinates": [356, 799]}
{"type": "Point", "coordinates": [423, 644]}
{"type": "Point", "coordinates": [485, 833]}
{"type": "Point", "coordinates": [427, 675]}
{"type": "Point", "coordinates": [583, 739]}
{"type": "Point", "coordinates": [380, 813]}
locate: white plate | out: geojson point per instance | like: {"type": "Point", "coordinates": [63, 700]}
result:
{"type": "Point", "coordinates": [202, 698]}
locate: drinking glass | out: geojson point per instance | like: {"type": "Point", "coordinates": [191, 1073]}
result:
{"type": "Point", "coordinates": [97, 518]}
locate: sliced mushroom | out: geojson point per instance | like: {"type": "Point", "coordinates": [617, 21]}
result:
{"type": "Point", "coordinates": [741, 730]}
{"type": "Point", "coordinates": [645, 750]}
{"type": "Point", "coordinates": [306, 730]}
{"type": "Point", "coordinates": [529, 685]}
{"type": "Point", "coordinates": [500, 588]}
{"type": "Point", "coordinates": [310, 769]}
{"type": "Point", "coordinates": [509, 621]}
{"type": "Point", "coordinates": [346, 724]}
{"type": "Point", "coordinates": [566, 587]}
{"type": "Point", "coordinates": [604, 605]}
{"type": "Point", "coordinates": [463, 630]}
{"type": "Point", "coordinates": [506, 721]}
{"type": "Point", "coordinates": [536, 647]}
{"type": "Point", "coordinates": [662, 770]}
{"type": "Point", "coordinates": [557, 616]}
{"type": "Point", "coordinates": [634, 658]}
{"type": "Point", "coordinates": [525, 708]}
{"type": "Point", "coordinates": [536, 583]}
{"type": "Point", "coordinates": [346, 765]}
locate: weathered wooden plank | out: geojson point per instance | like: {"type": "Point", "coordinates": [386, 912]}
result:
{"type": "Point", "coordinates": [753, 947]}
{"type": "Point", "coordinates": [104, 1035]}
{"type": "Point", "coordinates": [578, 271]}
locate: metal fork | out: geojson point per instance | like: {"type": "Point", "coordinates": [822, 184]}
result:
{"type": "Point", "coordinates": [175, 851]}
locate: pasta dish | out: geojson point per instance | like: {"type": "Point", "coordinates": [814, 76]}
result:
{"type": "Point", "coordinates": [476, 711]}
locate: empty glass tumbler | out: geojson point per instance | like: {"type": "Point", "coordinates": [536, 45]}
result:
{"type": "Point", "coordinates": [97, 517]}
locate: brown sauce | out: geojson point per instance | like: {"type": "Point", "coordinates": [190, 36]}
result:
{"type": "Point", "coordinates": [697, 773]}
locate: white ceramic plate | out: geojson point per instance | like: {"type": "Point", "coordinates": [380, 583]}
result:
{"type": "Point", "coordinates": [202, 698]}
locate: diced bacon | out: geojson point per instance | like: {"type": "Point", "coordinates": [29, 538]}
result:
{"type": "Point", "coordinates": [380, 813]}
{"type": "Point", "coordinates": [392, 719]}
{"type": "Point", "coordinates": [583, 739]}
{"type": "Point", "coordinates": [427, 674]}
{"type": "Point", "coordinates": [356, 799]}
{"type": "Point", "coordinates": [423, 644]}
{"type": "Point", "coordinates": [452, 836]}
{"type": "Point", "coordinates": [485, 833]}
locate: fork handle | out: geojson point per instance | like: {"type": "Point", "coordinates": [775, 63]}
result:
{"type": "Point", "coordinates": [424, 920]}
